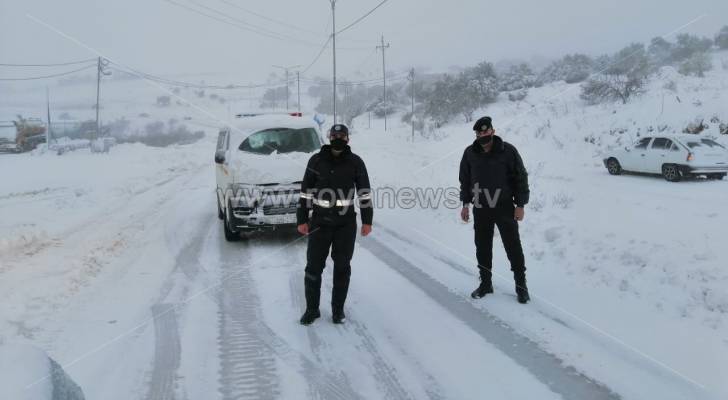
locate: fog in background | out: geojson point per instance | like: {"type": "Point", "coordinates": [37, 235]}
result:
{"type": "Point", "coordinates": [165, 37]}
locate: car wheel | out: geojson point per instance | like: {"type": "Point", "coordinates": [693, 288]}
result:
{"type": "Point", "coordinates": [220, 214]}
{"type": "Point", "coordinates": [230, 234]}
{"type": "Point", "coordinates": [671, 173]}
{"type": "Point", "coordinates": [716, 176]}
{"type": "Point", "coordinates": [614, 167]}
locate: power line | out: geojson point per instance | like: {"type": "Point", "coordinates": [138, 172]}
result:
{"type": "Point", "coordinates": [397, 77]}
{"type": "Point", "coordinates": [239, 25]}
{"type": "Point", "coordinates": [365, 61]}
{"type": "Point", "coordinates": [230, 3]}
{"type": "Point", "coordinates": [131, 71]}
{"type": "Point", "coordinates": [288, 25]}
{"type": "Point", "coordinates": [362, 17]}
{"type": "Point", "coordinates": [318, 56]}
{"type": "Point", "coordinates": [261, 30]}
{"type": "Point", "coordinates": [49, 65]}
{"type": "Point", "coordinates": [49, 76]}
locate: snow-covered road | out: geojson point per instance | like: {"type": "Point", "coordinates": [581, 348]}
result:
{"type": "Point", "coordinates": [116, 265]}
{"type": "Point", "coordinates": [193, 316]}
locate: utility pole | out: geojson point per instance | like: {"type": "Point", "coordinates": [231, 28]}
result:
{"type": "Point", "coordinates": [412, 119]}
{"type": "Point", "coordinates": [384, 47]}
{"type": "Point", "coordinates": [98, 90]}
{"type": "Point", "coordinates": [48, 107]}
{"type": "Point", "coordinates": [333, 37]}
{"type": "Point", "coordinates": [251, 95]}
{"type": "Point", "coordinates": [346, 101]}
{"type": "Point", "coordinates": [101, 64]}
{"type": "Point", "coordinates": [287, 69]}
{"type": "Point", "coordinates": [298, 83]}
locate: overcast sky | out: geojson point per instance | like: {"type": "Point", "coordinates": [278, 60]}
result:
{"type": "Point", "coordinates": [166, 39]}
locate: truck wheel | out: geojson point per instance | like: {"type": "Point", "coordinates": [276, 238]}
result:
{"type": "Point", "coordinates": [230, 234]}
{"type": "Point", "coordinates": [613, 167]}
{"type": "Point", "coordinates": [671, 173]}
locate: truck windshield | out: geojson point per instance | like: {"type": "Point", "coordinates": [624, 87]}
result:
{"type": "Point", "coordinates": [282, 140]}
{"type": "Point", "coordinates": [7, 131]}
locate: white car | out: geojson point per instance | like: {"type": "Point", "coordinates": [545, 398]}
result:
{"type": "Point", "coordinates": [674, 157]}
{"type": "Point", "coordinates": [260, 162]}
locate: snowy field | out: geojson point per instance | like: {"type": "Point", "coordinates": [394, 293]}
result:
{"type": "Point", "coordinates": [115, 265]}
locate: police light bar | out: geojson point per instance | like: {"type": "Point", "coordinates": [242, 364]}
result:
{"type": "Point", "coordinates": [248, 115]}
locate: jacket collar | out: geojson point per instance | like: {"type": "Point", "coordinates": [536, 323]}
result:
{"type": "Point", "coordinates": [498, 146]}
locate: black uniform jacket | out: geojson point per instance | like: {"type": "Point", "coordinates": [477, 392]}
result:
{"type": "Point", "coordinates": [499, 172]}
{"type": "Point", "coordinates": [329, 178]}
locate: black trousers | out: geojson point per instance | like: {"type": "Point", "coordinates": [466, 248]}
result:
{"type": "Point", "coordinates": [484, 220]}
{"type": "Point", "coordinates": [340, 239]}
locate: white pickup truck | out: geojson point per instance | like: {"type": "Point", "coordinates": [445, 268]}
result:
{"type": "Point", "coordinates": [259, 163]}
{"type": "Point", "coordinates": [674, 157]}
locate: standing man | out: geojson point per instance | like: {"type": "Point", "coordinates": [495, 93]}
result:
{"type": "Point", "coordinates": [494, 180]}
{"type": "Point", "coordinates": [332, 178]}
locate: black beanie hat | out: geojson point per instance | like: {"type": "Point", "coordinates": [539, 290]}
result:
{"type": "Point", "coordinates": [483, 124]}
{"type": "Point", "coordinates": [339, 128]}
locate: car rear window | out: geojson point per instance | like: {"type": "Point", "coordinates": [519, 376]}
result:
{"type": "Point", "coordinates": [282, 140]}
{"type": "Point", "coordinates": [711, 143]}
{"type": "Point", "coordinates": [643, 143]}
{"type": "Point", "coordinates": [661, 144]}
{"type": "Point", "coordinates": [693, 145]}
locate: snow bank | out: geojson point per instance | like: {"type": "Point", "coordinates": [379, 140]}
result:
{"type": "Point", "coordinates": [27, 373]}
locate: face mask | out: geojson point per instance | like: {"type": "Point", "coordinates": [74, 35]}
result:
{"type": "Point", "coordinates": [338, 144]}
{"type": "Point", "coordinates": [484, 140]}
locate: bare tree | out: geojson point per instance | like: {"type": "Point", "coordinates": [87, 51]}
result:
{"type": "Point", "coordinates": [623, 75]}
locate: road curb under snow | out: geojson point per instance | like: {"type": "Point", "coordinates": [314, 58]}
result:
{"type": "Point", "coordinates": [544, 366]}
{"type": "Point", "coordinates": [27, 373]}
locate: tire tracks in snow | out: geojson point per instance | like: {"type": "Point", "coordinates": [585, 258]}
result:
{"type": "Point", "coordinates": [544, 366]}
{"type": "Point", "coordinates": [470, 272]}
{"type": "Point", "coordinates": [249, 346]}
{"type": "Point", "coordinates": [298, 301]}
{"type": "Point", "coordinates": [167, 350]}
{"type": "Point", "coordinates": [247, 370]}
{"type": "Point", "coordinates": [383, 371]}
{"type": "Point", "coordinates": [167, 341]}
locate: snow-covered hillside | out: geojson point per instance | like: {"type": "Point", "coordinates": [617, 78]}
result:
{"type": "Point", "coordinates": [116, 266]}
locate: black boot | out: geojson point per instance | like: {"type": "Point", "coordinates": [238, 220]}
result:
{"type": "Point", "coordinates": [338, 317]}
{"type": "Point", "coordinates": [521, 288]}
{"type": "Point", "coordinates": [309, 316]}
{"type": "Point", "coordinates": [484, 288]}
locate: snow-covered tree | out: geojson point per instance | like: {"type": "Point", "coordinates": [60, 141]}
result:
{"type": "Point", "coordinates": [354, 102]}
{"type": "Point", "coordinates": [571, 68]}
{"type": "Point", "coordinates": [623, 75]}
{"type": "Point", "coordinates": [606, 87]}
{"type": "Point", "coordinates": [483, 82]}
{"type": "Point", "coordinates": [631, 61]}
{"type": "Point", "coordinates": [696, 65]}
{"type": "Point", "coordinates": [721, 38]}
{"type": "Point", "coordinates": [687, 45]}
{"type": "Point", "coordinates": [441, 100]}
{"type": "Point", "coordinates": [273, 98]}
{"type": "Point", "coordinates": [470, 95]}
{"type": "Point", "coordinates": [517, 77]}
{"type": "Point", "coordinates": [660, 51]}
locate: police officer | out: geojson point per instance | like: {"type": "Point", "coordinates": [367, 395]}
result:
{"type": "Point", "coordinates": [494, 180]}
{"type": "Point", "coordinates": [333, 177]}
